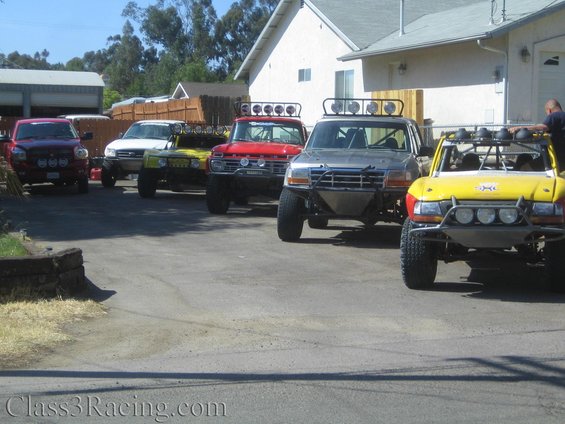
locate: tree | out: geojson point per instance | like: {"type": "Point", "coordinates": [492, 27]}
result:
{"type": "Point", "coordinates": [124, 71]}
{"type": "Point", "coordinates": [75, 64]}
{"type": "Point", "coordinates": [110, 97]}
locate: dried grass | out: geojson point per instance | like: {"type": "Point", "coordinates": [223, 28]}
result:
{"type": "Point", "coordinates": [29, 327]}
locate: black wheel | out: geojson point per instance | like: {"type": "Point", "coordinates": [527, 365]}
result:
{"type": "Point", "coordinates": [107, 175]}
{"type": "Point", "coordinates": [418, 262]}
{"type": "Point", "coordinates": [318, 222]}
{"type": "Point", "coordinates": [555, 265]}
{"type": "Point", "coordinates": [289, 216]}
{"type": "Point", "coordinates": [147, 182]}
{"type": "Point", "coordinates": [83, 185]}
{"type": "Point", "coordinates": [241, 200]}
{"type": "Point", "coordinates": [217, 195]}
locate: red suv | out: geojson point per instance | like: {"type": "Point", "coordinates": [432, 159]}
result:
{"type": "Point", "coordinates": [264, 138]}
{"type": "Point", "coordinates": [47, 150]}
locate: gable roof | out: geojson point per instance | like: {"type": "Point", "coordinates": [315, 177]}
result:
{"type": "Point", "coordinates": [466, 23]}
{"type": "Point", "coordinates": [358, 23]}
{"type": "Point", "coordinates": [197, 89]}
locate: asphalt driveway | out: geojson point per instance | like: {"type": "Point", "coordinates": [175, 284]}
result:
{"type": "Point", "coordinates": [214, 319]}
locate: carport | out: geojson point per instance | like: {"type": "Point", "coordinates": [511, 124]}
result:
{"type": "Point", "coordinates": [31, 93]}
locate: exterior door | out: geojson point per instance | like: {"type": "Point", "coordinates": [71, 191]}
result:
{"type": "Point", "coordinates": [551, 81]}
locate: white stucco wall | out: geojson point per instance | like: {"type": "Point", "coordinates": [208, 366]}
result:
{"type": "Point", "coordinates": [302, 41]}
{"type": "Point", "coordinates": [546, 34]}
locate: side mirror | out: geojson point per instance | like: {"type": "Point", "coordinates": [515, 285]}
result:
{"type": "Point", "coordinates": [121, 135]}
{"type": "Point", "coordinates": [426, 151]}
{"type": "Point", "coordinates": [4, 138]}
{"type": "Point", "coordinates": [87, 136]}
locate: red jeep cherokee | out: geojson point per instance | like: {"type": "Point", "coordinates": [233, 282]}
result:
{"type": "Point", "coordinates": [47, 150]}
{"type": "Point", "coordinates": [264, 138]}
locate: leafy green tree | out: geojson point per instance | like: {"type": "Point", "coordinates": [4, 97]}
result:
{"type": "Point", "coordinates": [110, 97]}
{"type": "Point", "coordinates": [124, 71]}
{"type": "Point", "coordinates": [75, 64]}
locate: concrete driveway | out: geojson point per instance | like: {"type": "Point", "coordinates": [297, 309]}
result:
{"type": "Point", "coordinates": [214, 319]}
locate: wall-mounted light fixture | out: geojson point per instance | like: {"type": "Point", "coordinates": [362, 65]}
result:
{"type": "Point", "coordinates": [525, 54]}
{"type": "Point", "coordinates": [402, 69]}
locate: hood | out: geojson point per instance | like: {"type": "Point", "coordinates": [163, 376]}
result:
{"type": "Point", "coordinates": [265, 148]}
{"type": "Point", "coordinates": [361, 158]}
{"type": "Point", "coordinates": [48, 143]}
{"type": "Point", "coordinates": [485, 187]}
{"type": "Point", "coordinates": [137, 143]}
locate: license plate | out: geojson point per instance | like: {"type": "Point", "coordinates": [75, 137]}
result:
{"type": "Point", "coordinates": [52, 175]}
{"type": "Point", "coordinates": [251, 172]}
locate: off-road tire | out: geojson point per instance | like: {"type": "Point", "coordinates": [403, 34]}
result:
{"type": "Point", "coordinates": [418, 262]}
{"type": "Point", "coordinates": [555, 265]}
{"type": "Point", "coordinates": [107, 175]}
{"type": "Point", "coordinates": [147, 182]}
{"type": "Point", "coordinates": [318, 222]}
{"type": "Point", "coordinates": [82, 184]}
{"type": "Point", "coordinates": [217, 195]}
{"type": "Point", "coordinates": [290, 221]}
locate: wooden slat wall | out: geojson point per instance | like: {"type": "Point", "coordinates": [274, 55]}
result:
{"type": "Point", "coordinates": [188, 110]}
{"type": "Point", "coordinates": [413, 102]}
{"type": "Point", "coordinates": [104, 132]}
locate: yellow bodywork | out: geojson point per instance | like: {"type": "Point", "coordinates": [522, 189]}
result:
{"type": "Point", "coordinates": [486, 185]}
{"type": "Point", "coordinates": [177, 158]}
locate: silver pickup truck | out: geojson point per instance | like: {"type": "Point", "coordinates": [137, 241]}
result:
{"type": "Point", "coordinates": [357, 164]}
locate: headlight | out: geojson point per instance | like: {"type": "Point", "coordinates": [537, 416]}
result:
{"type": "Point", "coordinates": [19, 154]}
{"type": "Point", "coordinates": [464, 215]}
{"type": "Point", "coordinates": [81, 153]}
{"type": "Point", "coordinates": [486, 215]}
{"type": "Point", "coordinates": [297, 176]}
{"type": "Point", "coordinates": [217, 165]}
{"type": "Point", "coordinates": [162, 162]}
{"type": "Point", "coordinates": [194, 163]}
{"type": "Point", "coordinates": [399, 179]}
{"type": "Point", "coordinates": [548, 213]}
{"type": "Point", "coordinates": [508, 216]}
{"type": "Point", "coordinates": [261, 163]}
{"type": "Point", "coordinates": [427, 212]}
{"type": "Point", "coordinates": [111, 153]}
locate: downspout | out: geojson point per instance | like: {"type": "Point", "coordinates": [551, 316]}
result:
{"type": "Point", "coordinates": [401, 31]}
{"type": "Point", "coordinates": [505, 87]}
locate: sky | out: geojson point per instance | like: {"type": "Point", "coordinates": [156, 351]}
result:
{"type": "Point", "coordinates": [66, 28]}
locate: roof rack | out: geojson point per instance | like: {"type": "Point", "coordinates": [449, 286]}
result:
{"type": "Point", "coordinates": [289, 109]}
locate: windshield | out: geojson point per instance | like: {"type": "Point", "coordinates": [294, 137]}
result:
{"type": "Point", "coordinates": [35, 130]}
{"type": "Point", "coordinates": [359, 135]}
{"type": "Point", "coordinates": [507, 156]}
{"type": "Point", "coordinates": [277, 132]}
{"type": "Point", "coordinates": [149, 130]}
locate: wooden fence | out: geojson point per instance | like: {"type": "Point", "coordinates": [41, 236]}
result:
{"type": "Point", "coordinates": [413, 102]}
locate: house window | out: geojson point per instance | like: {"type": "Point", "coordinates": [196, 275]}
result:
{"type": "Point", "coordinates": [552, 61]}
{"type": "Point", "coordinates": [304, 75]}
{"type": "Point", "coordinates": [344, 84]}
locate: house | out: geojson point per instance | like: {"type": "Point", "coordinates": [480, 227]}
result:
{"type": "Point", "coordinates": [185, 90]}
{"type": "Point", "coordinates": [476, 61]}
{"type": "Point", "coordinates": [32, 93]}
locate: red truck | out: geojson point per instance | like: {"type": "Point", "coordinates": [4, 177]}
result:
{"type": "Point", "coordinates": [264, 137]}
{"type": "Point", "coordinates": [45, 150]}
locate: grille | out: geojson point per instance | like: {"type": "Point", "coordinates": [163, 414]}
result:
{"type": "Point", "coordinates": [277, 167]}
{"type": "Point", "coordinates": [50, 158]}
{"type": "Point", "coordinates": [347, 178]}
{"type": "Point", "coordinates": [130, 154]}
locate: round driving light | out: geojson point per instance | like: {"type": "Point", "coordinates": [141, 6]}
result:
{"type": "Point", "coordinates": [244, 162]}
{"type": "Point", "coordinates": [256, 109]}
{"type": "Point", "coordinates": [353, 107]}
{"type": "Point", "coordinates": [486, 215]}
{"type": "Point", "coordinates": [372, 108]}
{"type": "Point", "coordinates": [198, 129]}
{"type": "Point", "coordinates": [245, 109]}
{"type": "Point", "coordinates": [194, 163]}
{"type": "Point", "coordinates": [508, 216]}
{"type": "Point", "coordinates": [279, 110]}
{"type": "Point", "coordinates": [217, 165]}
{"type": "Point", "coordinates": [52, 162]}
{"type": "Point", "coordinates": [290, 110]}
{"type": "Point", "coordinates": [221, 130]}
{"type": "Point", "coordinates": [464, 215]}
{"type": "Point", "coordinates": [188, 129]}
{"type": "Point", "coordinates": [209, 130]}
{"type": "Point", "coordinates": [337, 107]}
{"type": "Point", "coordinates": [268, 109]}
{"type": "Point", "coordinates": [462, 134]}
{"type": "Point", "coordinates": [390, 108]}
{"type": "Point", "coordinates": [177, 128]}
{"type": "Point", "coordinates": [42, 163]}
{"type": "Point", "coordinates": [64, 162]}
{"type": "Point", "coordinates": [162, 162]}
{"type": "Point", "coordinates": [261, 163]}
